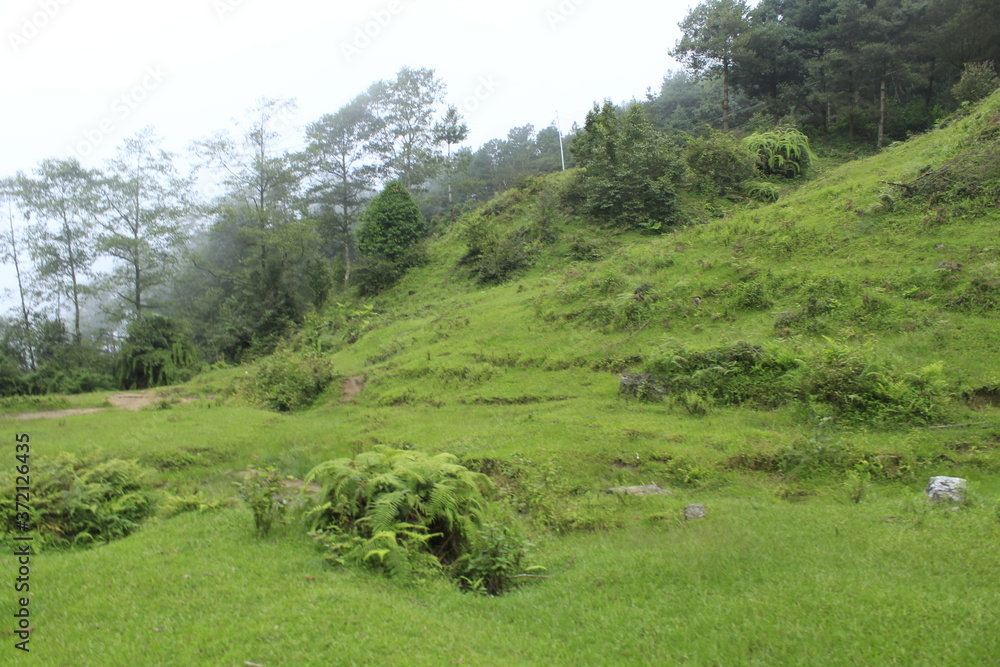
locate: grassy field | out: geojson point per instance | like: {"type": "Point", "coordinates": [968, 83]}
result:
{"type": "Point", "coordinates": [819, 546]}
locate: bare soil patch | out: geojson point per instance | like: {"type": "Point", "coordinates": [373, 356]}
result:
{"type": "Point", "coordinates": [351, 387]}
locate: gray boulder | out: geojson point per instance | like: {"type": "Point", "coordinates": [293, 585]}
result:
{"type": "Point", "coordinates": [946, 488]}
{"type": "Point", "coordinates": [641, 385]}
{"type": "Point", "coordinates": [694, 512]}
{"type": "Point", "coordinates": [648, 490]}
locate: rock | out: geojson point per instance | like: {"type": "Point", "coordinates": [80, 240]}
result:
{"type": "Point", "coordinates": [648, 490]}
{"type": "Point", "coordinates": [641, 385]}
{"type": "Point", "coordinates": [694, 512]}
{"type": "Point", "coordinates": [946, 488]}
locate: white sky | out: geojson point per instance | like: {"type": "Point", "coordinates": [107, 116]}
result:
{"type": "Point", "coordinates": [79, 76]}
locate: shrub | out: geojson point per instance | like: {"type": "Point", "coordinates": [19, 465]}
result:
{"type": "Point", "coordinates": [729, 374]}
{"type": "Point", "coordinates": [851, 382]}
{"type": "Point", "coordinates": [762, 191]}
{"type": "Point", "coordinates": [978, 81]}
{"type": "Point", "coordinates": [261, 490]}
{"type": "Point", "coordinates": [403, 511]}
{"type": "Point", "coordinates": [495, 560]}
{"type": "Point", "coordinates": [784, 153]}
{"type": "Point", "coordinates": [751, 295]}
{"type": "Point", "coordinates": [494, 253]}
{"type": "Point", "coordinates": [287, 381]}
{"type": "Point", "coordinates": [81, 501]}
{"type": "Point", "coordinates": [719, 163]}
{"type": "Point", "coordinates": [863, 388]}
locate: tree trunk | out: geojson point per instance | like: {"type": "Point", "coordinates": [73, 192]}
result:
{"type": "Point", "coordinates": [725, 95]}
{"type": "Point", "coordinates": [20, 290]}
{"type": "Point", "coordinates": [882, 112]}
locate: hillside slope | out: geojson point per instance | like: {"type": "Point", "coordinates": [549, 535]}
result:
{"type": "Point", "coordinates": [836, 330]}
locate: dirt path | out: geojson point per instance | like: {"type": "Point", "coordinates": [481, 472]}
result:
{"type": "Point", "coordinates": [133, 402]}
{"type": "Point", "coordinates": [351, 387]}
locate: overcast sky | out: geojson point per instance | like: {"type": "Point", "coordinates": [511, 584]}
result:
{"type": "Point", "coordinates": [79, 76]}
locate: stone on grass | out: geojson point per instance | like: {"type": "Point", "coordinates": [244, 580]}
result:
{"type": "Point", "coordinates": [648, 490]}
{"type": "Point", "coordinates": [946, 488]}
{"type": "Point", "coordinates": [694, 512]}
{"type": "Point", "coordinates": [641, 385]}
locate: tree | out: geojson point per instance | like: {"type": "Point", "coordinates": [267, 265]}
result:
{"type": "Point", "coordinates": [261, 261]}
{"type": "Point", "coordinates": [404, 140]}
{"type": "Point", "coordinates": [337, 154]}
{"type": "Point", "coordinates": [631, 170]}
{"type": "Point", "coordinates": [63, 199]}
{"type": "Point", "coordinates": [156, 352]}
{"type": "Point", "coordinates": [391, 224]}
{"type": "Point", "coordinates": [711, 42]}
{"type": "Point", "coordinates": [12, 253]}
{"type": "Point", "coordinates": [450, 131]}
{"type": "Point", "coordinates": [146, 203]}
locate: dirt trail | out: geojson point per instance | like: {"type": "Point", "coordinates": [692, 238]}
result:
{"type": "Point", "coordinates": [351, 387]}
{"type": "Point", "coordinates": [133, 402]}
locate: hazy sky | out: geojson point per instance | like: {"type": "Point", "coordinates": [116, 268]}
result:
{"type": "Point", "coordinates": [79, 76]}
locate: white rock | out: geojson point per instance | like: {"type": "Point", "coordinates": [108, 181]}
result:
{"type": "Point", "coordinates": [947, 488]}
{"type": "Point", "coordinates": [648, 490]}
{"type": "Point", "coordinates": [694, 512]}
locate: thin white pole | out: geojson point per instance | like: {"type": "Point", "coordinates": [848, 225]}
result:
{"type": "Point", "coordinates": [562, 155]}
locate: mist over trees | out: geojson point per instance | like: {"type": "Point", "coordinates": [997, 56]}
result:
{"type": "Point", "coordinates": [127, 275]}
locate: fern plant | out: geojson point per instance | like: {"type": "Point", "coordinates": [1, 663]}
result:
{"type": "Point", "coordinates": [783, 153]}
{"type": "Point", "coordinates": [404, 511]}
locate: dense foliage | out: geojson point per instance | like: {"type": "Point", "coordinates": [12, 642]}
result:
{"type": "Point", "coordinates": [406, 512]}
{"type": "Point", "coordinates": [155, 352]}
{"type": "Point", "coordinates": [631, 171]}
{"type": "Point", "coordinates": [80, 501]}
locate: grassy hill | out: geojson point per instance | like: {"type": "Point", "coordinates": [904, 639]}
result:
{"type": "Point", "coordinates": [868, 301]}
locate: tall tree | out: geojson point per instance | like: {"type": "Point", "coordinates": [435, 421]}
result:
{"type": "Point", "coordinates": [146, 203]}
{"type": "Point", "coordinates": [62, 197]}
{"type": "Point", "coordinates": [261, 258]}
{"type": "Point", "coordinates": [450, 131]}
{"type": "Point", "coordinates": [405, 110]}
{"type": "Point", "coordinates": [713, 34]}
{"type": "Point", "coordinates": [12, 253]}
{"type": "Point", "coordinates": [342, 173]}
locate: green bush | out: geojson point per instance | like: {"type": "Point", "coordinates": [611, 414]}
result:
{"type": "Point", "coordinates": [156, 352]}
{"type": "Point", "coordinates": [495, 560]}
{"type": "Point", "coordinates": [494, 253]}
{"type": "Point", "coordinates": [261, 489]}
{"type": "Point", "coordinates": [978, 81]}
{"type": "Point", "coordinates": [719, 163]}
{"type": "Point", "coordinates": [391, 224]}
{"type": "Point", "coordinates": [80, 501]}
{"type": "Point", "coordinates": [849, 383]}
{"type": "Point", "coordinates": [287, 381]}
{"type": "Point", "coordinates": [405, 512]}
{"type": "Point", "coordinates": [860, 387]}
{"type": "Point", "coordinates": [729, 374]}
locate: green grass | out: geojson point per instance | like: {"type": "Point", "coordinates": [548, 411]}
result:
{"type": "Point", "coordinates": [760, 581]}
{"type": "Point", "coordinates": [785, 570]}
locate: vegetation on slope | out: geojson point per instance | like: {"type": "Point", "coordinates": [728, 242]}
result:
{"type": "Point", "coordinates": [819, 545]}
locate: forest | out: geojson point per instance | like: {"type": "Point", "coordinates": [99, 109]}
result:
{"type": "Point", "coordinates": [129, 276]}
